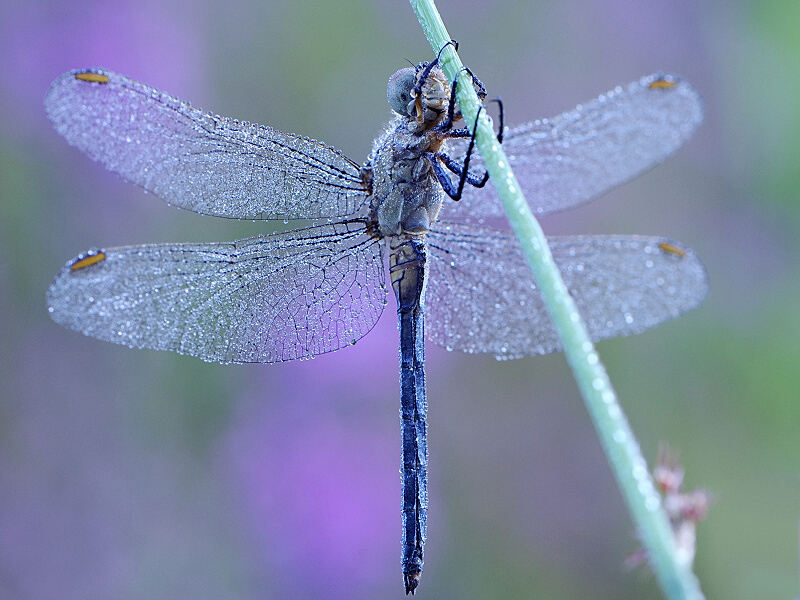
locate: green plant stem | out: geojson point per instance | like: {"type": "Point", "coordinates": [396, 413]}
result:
{"type": "Point", "coordinates": [622, 449]}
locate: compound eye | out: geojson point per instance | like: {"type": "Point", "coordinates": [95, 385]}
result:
{"type": "Point", "coordinates": [399, 90]}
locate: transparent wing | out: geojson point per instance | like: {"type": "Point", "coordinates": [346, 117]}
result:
{"type": "Point", "coordinates": [196, 160]}
{"type": "Point", "coordinates": [264, 299]}
{"type": "Point", "coordinates": [483, 298]}
{"type": "Point", "coordinates": [580, 155]}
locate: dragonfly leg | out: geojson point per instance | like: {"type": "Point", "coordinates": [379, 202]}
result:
{"type": "Point", "coordinates": [416, 91]}
{"type": "Point", "coordinates": [447, 125]}
{"type": "Point", "coordinates": [457, 168]}
{"type": "Point", "coordinates": [464, 132]}
{"type": "Point", "coordinates": [501, 129]}
{"type": "Point", "coordinates": [480, 89]}
{"type": "Point", "coordinates": [461, 170]}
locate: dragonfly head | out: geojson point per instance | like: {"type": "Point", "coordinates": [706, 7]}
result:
{"type": "Point", "coordinates": [399, 91]}
{"type": "Point", "coordinates": [420, 93]}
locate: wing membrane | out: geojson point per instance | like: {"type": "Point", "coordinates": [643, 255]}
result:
{"type": "Point", "coordinates": [264, 299]}
{"type": "Point", "coordinates": [581, 154]}
{"type": "Point", "coordinates": [196, 160]}
{"type": "Point", "coordinates": [483, 298]}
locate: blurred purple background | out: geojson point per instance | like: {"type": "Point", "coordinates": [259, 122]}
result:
{"type": "Point", "coordinates": [137, 474]}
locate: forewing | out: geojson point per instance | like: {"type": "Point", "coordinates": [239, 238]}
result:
{"type": "Point", "coordinates": [482, 296]}
{"type": "Point", "coordinates": [199, 161]}
{"type": "Point", "coordinates": [264, 299]}
{"type": "Point", "coordinates": [581, 154]}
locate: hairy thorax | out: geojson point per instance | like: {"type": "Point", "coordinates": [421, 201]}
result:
{"type": "Point", "coordinates": [406, 194]}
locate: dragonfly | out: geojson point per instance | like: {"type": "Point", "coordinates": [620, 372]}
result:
{"type": "Point", "coordinates": [459, 277]}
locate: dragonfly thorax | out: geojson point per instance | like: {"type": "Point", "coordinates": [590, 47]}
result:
{"type": "Point", "coordinates": [406, 196]}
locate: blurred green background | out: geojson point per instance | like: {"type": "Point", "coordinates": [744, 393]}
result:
{"type": "Point", "coordinates": [137, 474]}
